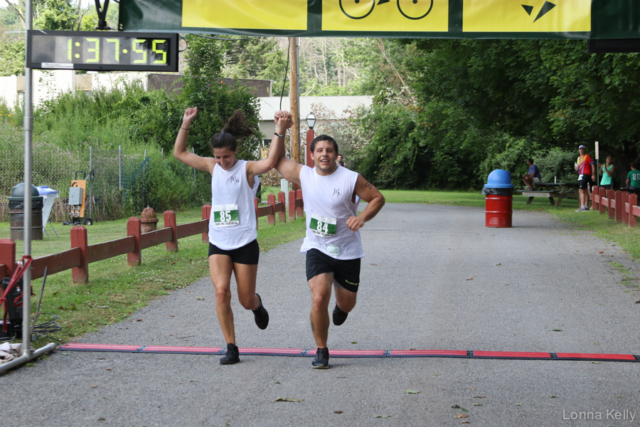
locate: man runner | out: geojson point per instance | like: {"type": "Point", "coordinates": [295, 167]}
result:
{"type": "Point", "coordinates": [332, 243]}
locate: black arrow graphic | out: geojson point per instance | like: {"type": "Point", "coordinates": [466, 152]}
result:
{"type": "Point", "coordinates": [545, 9]}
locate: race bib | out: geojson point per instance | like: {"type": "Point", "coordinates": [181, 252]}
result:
{"type": "Point", "coordinates": [321, 226]}
{"type": "Point", "coordinates": [226, 215]}
{"type": "Point", "coordinates": [579, 177]}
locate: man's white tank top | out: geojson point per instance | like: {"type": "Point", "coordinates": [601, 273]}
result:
{"type": "Point", "coordinates": [233, 216]}
{"type": "Point", "coordinates": [327, 206]}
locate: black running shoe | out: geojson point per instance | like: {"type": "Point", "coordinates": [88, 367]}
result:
{"type": "Point", "coordinates": [232, 356]}
{"type": "Point", "coordinates": [339, 316]}
{"type": "Point", "coordinates": [261, 316]}
{"type": "Point", "coordinates": [321, 361]}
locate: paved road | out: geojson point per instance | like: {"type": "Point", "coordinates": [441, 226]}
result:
{"type": "Point", "coordinates": [416, 292]}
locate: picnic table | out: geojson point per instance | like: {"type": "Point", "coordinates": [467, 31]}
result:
{"type": "Point", "coordinates": [559, 190]}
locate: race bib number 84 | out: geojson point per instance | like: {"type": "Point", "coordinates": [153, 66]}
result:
{"type": "Point", "coordinates": [226, 215]}
{"type": "Point", "coordinates": [321, 226]}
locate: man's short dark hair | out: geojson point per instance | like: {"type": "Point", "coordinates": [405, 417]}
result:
{"type": "Point", "coordinates": [312, 147]}
{"type": "Point", "coordinates": [530, 161]}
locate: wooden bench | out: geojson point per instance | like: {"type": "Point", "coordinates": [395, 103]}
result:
{"type": "Point", "coordinates": [560, 191]}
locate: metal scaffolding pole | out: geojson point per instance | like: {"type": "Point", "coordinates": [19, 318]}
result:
{"type": "Point", "coordinates": [28, 162]}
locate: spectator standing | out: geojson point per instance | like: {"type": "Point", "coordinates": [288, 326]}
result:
{"type": "Point", "coordinates": [533, 177]}
{"type": "Point", "coordinates": [586, 173]}
{"type": "Point", "coordinates": [633, 178]}
{"type": "Point", "coordinates": [607, 174]}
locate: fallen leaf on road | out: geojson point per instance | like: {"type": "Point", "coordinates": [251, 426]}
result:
{"type": "Point", "coordinates": [337, 412]}
{"type": "Point", "coordinates": [354, 342]}
{"type": "Point", "coordinates": [553, 396]}
{"type": "Point", "coordinates": [461, 416]}
{"type": "Point", "coordinates": [108, 369]}
{"type": "Point", "coordinates": [477, 404]}
{"type": "Point", "coordinates": [479, 397]}
{"type": "Point", "coordinates": [374, 264]}
{"type": "Point", "coordinates": [193, 381]}
{"type": "Point", "coordinates": [557, 330]}
{"type": "Point", "coordinates": [412, 392]}
{"type": "Point", "coordinates": [601, 252]}
{"type": "Point", "coordinates": [455, 406]}
{"type": "Point", "coordinates": [139, 320]}
{"type": "Point", "coordinates": [596, 363]}
{"type": "Point", "coordinates": [498, 263]}
{"type": "Point", "coordinates": [94, 386]}
{"type": "Point", "coordinates": [102, 419]}
{"type": "Point", "coordinates": [469, 279]}
{"type": "Point", "coordinates": [465, 422]}
{"type": "Point", "coordinates": [288, 399]}
{"type": "Point", "coordinates": [382, 416]}
{"type": "Point", "coordinates": [277, 382]}
{"type": "Point", "coordinates": [200, 298]}
{"type": "Point", "coordinates": [637, 302]}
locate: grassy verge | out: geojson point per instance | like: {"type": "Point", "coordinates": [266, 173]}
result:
{"type": "Point", "coordinates": [627, 238]}
{"type": "Point", "coordinates": [115, 291]}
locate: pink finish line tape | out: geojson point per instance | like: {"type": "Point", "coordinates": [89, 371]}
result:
{"type": "Point", "coordinates": [510, 355]}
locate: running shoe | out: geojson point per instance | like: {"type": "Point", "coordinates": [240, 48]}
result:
{"type": "Point", "coordinates": [261, 316]}
{"type": "Point", "coordinates": [339, 316]}
{"type": "Point", "coordinates": [321, 361]}
{"type": "Point", "coordinates": [232, 356]}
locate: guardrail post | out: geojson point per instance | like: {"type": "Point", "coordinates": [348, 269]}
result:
{"type": "Point", "coordinates": [625, 207]}
{"type": "Point", "coordinates": [80, 275]}
{"type": "Point", "coordinates": [633, 201]}
{"type": "Point", "coordinates": [134, 228]}
{"type": "Point", "coordinates": [271, 201]}
{"type": "Point", "coordinates": [611, 203]}
{"type": "Point", "coordinates": [8, 255]}
{"type": "Point", "coordinates": [619, 206]}
{"type": "Point", "coordinates": [255, 206]}
{"type": "Point", "coordinates": [595, 197]}
{"type": "Point", "coordinates": [170, 222]}
{"type": "Point", "coordinates": [282, 215]}
{"type": "Point", "coordinates": [602, 194]}
{"type": "Point", "coordinates": [292, 205]}
{"type": "Point", "coordinates": [299, 209]}
{"type": "Point", "coordinates": [206, 214]}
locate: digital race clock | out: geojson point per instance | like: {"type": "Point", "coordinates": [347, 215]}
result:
{"type": "Point", "coordinates": [102, 51]}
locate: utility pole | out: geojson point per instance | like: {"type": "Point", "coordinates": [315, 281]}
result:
{"type": "Point", "coordinates": [294, 97]}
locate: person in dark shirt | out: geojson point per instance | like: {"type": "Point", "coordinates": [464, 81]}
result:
{"type": "Point", "coordinates": [533, 177]}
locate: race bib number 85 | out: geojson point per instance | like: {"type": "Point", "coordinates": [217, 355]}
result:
{"type": "Point", "coordinates": [321, 226]}
{"type": "Point", "coordinates": [226, 215]}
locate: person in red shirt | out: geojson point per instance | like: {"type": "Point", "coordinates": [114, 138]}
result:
{"type": "Point", "coordinates": [586, 175]}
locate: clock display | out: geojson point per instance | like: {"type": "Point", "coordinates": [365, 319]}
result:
{"type": "Point", "coordinates": [102, 51]}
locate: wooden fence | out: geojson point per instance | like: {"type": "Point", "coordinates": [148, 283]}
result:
{"type": "Point", "coordinates": [82, 254]}
{"type": "Point", "coordinates": [622, 206]}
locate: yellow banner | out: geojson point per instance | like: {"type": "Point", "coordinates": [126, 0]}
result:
{"type": "Point", "coordinates": [246, 14]}
{"type": "Point", "coordinates": [526, 16]}
{"type": "Point", "coordinates": [385, 15]}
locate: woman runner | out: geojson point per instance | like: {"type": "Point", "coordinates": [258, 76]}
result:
{"type": "Point", "coordinates": [233, 247]}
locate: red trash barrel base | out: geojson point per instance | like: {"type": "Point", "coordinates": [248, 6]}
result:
{"type": "Point", "coordinates": [498, 211]}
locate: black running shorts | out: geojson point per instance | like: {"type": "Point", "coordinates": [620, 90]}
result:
{"type": "Point", "coordinates": [345, 272]}
{"type": "Point", "coordinates": [247, 254]}
{"type": "Point", "coordinates": [585, 181]}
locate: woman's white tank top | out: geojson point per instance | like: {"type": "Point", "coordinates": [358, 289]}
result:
{"type": "Point", "coordinates": [328, 205]}
{"type": "Point", "coordinates": [233, 216]}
